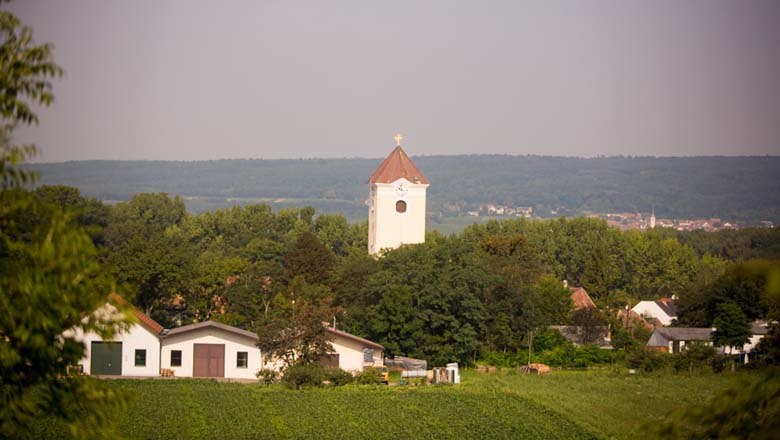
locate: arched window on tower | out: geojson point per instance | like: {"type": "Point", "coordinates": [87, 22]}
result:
{"type": "Point", "coordinates": [400, 206]}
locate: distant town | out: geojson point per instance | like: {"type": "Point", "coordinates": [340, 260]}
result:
{"type": "Point", "coordinates": [624, 220]}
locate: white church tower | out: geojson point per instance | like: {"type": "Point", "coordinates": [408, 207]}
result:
{"type": "Point", "coordinates": [652, 218]}
{"type": "Point", "coordinates": [396, 203]}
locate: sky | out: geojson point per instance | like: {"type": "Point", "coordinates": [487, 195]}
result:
{"type": "Point", "coordinates": [198, 80]}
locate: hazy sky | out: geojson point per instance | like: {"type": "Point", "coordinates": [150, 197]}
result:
{"type": "Point", "coordinates": [286, 79]}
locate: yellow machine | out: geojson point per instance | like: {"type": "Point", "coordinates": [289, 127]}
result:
{"type": "Point", "coordinates": [384, 373]}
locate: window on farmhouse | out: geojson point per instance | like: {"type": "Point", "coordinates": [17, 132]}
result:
{"type": "Point", "coordinates": [368, 355]}
{"type": "Point", "coordinates": [140, 358]}
{"type": "Point", "coordinates": [175, 358]}
{"type": "Point", "coordinates": [242, 360]}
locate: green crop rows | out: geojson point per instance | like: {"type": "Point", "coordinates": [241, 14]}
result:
{"type": "Point", "coordinates": [564, 405]}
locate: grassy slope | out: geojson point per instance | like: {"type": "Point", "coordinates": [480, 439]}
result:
{"type": "Point", "coordinates": [563, 405]}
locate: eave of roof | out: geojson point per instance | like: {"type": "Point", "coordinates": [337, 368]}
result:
{"type": "Point", "coordinates": [396, 166]}
{"type": "Point", "coordinates": [209, 324]}
{"type": "Point", "coordinates": [685, 333]}
{"type": "Point", "coordinates": [354, 338]}
{"type": "Point", "coordinates": [143, 319]}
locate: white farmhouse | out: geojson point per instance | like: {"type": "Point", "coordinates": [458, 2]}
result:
{"type": "Point", "coordinates": [204, 349]}
{"type": "Point", "coordinates": [354, 353]}
{"type": "Point", "coordinates": [673, 339]}
{"type": "Point", "coordinates": [664, 311]}
{"type": "Point", "coordinates": [134, 352]}
{"type": "Point", "coordinates": [396, 203]}
{"type": "Point", "coordinates": [211, 349]}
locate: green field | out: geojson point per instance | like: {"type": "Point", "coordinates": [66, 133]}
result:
{"type": "Point", "coordinates": [562, 405]}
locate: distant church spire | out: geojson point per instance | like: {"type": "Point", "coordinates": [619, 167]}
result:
{"type": "Point", "coordinates": [652, 217]}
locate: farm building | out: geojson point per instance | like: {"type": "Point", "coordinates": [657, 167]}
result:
{"type": "Point", "coordinates": [353, 353]}
{"type": "Point", "coordinates": [211, 349]}
{"type": "Point", "coordinates": [133, 352]}
{"type": "Point", "coordinates": [204, 349]}
{"type": "Point", "coordinates": [672, 339]}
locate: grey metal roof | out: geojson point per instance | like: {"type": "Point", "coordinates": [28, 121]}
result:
{"type": "Point", "coordinates": [685, 333]}
{"type": "Point", "coordinates": [207, 324]}
{"type": "Point", "coordinates": [759, 327]}
{"type": "Point", "coordinates": [669, 307]}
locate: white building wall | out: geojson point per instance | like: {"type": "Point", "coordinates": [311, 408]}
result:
{"type": "Point", "coordinates": [351, 354]}
{"type": "Point", "coordinates": [210, 335]}
{"type": "Point", "coordinates": [136, 337]}
{"type": "Point", "coordinates": [389, 229]}
{"type": "Point", "coordinates": [651, 309]}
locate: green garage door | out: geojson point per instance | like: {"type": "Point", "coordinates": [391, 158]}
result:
{"type": "Point", "coordinates": [106, 358]}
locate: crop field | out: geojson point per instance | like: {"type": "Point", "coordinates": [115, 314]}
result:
{"type": "Point", "coordinates": [562, 405]}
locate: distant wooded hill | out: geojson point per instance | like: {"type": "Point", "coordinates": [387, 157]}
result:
{"type": "Point", "coordinates": [743, 189]}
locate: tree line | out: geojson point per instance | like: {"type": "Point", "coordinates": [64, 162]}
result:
{"type": "Point", "coordinates": [731, 188]}
{"type": "Point", "coordinates": [456, 297]}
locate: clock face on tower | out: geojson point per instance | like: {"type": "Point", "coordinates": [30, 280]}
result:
{"type": "Point", "coordinates": [401, 189]}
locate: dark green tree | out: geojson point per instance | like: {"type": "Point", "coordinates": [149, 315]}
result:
{"type": "Point", "coordinates": [732, 328]}
{"type": "Point", "coordinates": [310, 259]}
{"type": "Point", "coordinates": [156, 265]}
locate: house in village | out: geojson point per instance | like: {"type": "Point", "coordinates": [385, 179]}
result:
{"type": "Point", "coordinates": [662, 311]}
{"type": "Point", "coordinates": [599, 335]}
{"type": "Point", "coordinates": [580, 298]}
{"type": "Point", "coordinates": [674, 339]}
{"type": "Point", "coordinates": [204, 349]}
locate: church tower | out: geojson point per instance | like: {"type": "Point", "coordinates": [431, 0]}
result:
{"type": "Point", "coordinates": [396, 203]}
{"type": "Point", "coordinates": [652, 218]}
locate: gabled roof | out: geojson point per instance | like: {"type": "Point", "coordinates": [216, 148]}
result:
{"type": "Point", "coordinates": [210, 324]}
{"type": "Point", "coordinates": [397, 165]}
{"type": "Point", "coordinates": [354, 338]}
{"type": "Point", "coordinates": [143, 319]}
{"type": "Point", "coordinates": [581, 299]}
{"type": "Point", "coordinates": [685, 333]}
{"type": "Point", "coordinates": [668, 306]}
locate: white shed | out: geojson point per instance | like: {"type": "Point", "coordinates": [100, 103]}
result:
{"type": "Point", "coordinates": [134, 352]}
{"type": "Point", "coordinates": [211, 349]}
{"type": "Point", "coordinates": [353, 353]}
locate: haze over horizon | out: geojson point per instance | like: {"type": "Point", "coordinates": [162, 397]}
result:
{"type": "Point", "coordinates": [199, 80]}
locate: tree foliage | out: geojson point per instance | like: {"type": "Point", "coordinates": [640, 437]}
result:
{"type": "Point", "coordinates": [51, 279]}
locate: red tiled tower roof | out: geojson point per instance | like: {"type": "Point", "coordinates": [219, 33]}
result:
{"type": "Point", "coordinates": [396, 166]}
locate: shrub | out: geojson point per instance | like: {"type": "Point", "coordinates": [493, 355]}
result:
{"type": "Point", "coordinates": [369, 376]}
{"type": "Point", "coordinates": [302, 375]}
{"type": "Point", "coordinates": [647, 360]}
{"type": "Point", "coordinates": [500, 359]}
{"type": "Point", "coordinates": [695, 356]}
{"type": "Point", "coordinates": [268, 376]}
{"type": "Point", "coordinates": [338, 377]}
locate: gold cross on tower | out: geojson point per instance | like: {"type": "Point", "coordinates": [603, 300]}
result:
{"type": "Point", "coordinates": [398, 139]}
